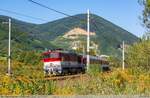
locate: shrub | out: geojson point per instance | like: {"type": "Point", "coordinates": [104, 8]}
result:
{"type": "Point", "coordinates": [138, 55]}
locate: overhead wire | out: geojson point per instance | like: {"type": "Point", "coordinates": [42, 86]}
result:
{"type": "Point", "coordinates": [20, 14]}
{"type": "Point", "coordinates": [24, 15]}
{"type": "Point", "coordinates": [52, 9]}
{"type": "Point", "coordinates": [60, 12]}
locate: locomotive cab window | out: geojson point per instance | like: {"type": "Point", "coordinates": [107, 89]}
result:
{"type": "Point", "coordinates": [54, 55]}
{"type": "Point", "coordinates": [51, 55]}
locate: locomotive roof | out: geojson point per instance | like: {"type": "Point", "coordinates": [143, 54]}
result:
{"type": "Point", "coordinates": [101, 57]}
{"type": "Point", "coordinates": [58, 51]}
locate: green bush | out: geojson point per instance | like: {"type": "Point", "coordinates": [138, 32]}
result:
{"type": "Point", "coordinates": [28, 57]}
{"type": "Point", "coordinates": [138, 55]}
{"type": "Point", "coordinates": [94, 69]}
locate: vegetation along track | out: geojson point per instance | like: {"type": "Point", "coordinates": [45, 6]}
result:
{"type": "Point", "coordinates": [64, 77]}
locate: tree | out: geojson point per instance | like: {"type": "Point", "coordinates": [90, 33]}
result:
{"type": "Point", "coordinates": [146, 12]}
{"type": "Point", "coordinates": [146, 36]}
{"type": "Point", "coordinates": [146, 17]}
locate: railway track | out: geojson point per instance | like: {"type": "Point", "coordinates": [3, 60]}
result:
{"type": "Point", "coordinates": [64, 77]}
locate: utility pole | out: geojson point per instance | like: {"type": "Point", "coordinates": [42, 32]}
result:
{"type": "Point", "coordinates": [88, 39]}
{"type": "Point", "coordinates": [9, 55]}
{"type": "Point", "coordinates": [9, 42]}
{"type": "Point", "coordinates": [9, 45]}
{"type": "Point", "coordinates": [83, 50]}
{"type": "Point", "coordinates": [123, 58]}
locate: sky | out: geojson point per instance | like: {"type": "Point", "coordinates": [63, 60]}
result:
{"type": "Point", "coordinates": [124, 13]}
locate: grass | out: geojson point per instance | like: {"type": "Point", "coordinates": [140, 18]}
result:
{"type": "Point", "coordinates": [116, 83]}
{"type": "Point", "coordinates": [29, 80]}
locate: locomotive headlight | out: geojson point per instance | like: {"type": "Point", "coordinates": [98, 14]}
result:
{"type": "Point", "coordinates": [45, 66]}
{"type": "Point", "coordinates": [55, 66]}
{"type": "Point", "coordinates": [51, 64]}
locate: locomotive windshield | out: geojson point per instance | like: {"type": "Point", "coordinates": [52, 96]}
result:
{"type": "Point", "coordinates": [51, 55]}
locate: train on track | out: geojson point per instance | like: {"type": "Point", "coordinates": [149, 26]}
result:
{"type": "Point", "coordinates": [58, 62]}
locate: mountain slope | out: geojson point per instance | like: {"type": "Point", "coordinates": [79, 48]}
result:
{"type": "Point", "coordinates": [21, 35]}
{"type": "Point", "coordinates": [49, 35]}
{"type": "Point", "coordinates": [109, 35]}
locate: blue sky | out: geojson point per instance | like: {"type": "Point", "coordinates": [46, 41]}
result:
{"type": "Point", "coordinates": [124, 13]}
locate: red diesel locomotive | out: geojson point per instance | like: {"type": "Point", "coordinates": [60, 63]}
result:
{"type": "Point", "coordinates": [60, 62]}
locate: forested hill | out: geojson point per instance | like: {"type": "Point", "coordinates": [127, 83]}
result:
{"type": "Point", "coordinates": [28, 36]}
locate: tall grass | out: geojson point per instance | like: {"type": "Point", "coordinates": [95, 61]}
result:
{"type": "Point", "coordinates": [29, 80]}
{"type": "Point", "coordinates": [116, 82]}
{"type": "Point", "coordinates": [25, 86]}
{"type": "Point", "coordinates": [94, 69]}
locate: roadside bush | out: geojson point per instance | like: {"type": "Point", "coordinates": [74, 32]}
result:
{"type": "Point", "coordinates": [28, 57]}
{"type": "Point", "coordinates": [94, 69]}
{"type": "Point", "coordinates": [138, 55]}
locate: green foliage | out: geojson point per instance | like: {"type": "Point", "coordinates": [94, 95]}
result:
{"type": "Point", "coordinates": [138, 55]}
{"type": "Point", "coordinates": [94, 69]}
{"type": "Point", "coordinates": [114, 62]}
{"type": "Point", "coordinates": [146, 12]}
{"type": "Point", "coordinates": [117, 82]}
{"type": "Point", "coordinates": [28, 57]}
{"type": "Point", "coordinates": [29, 80]}
{"type": "Point", "coordinates": [146, 36]}
{"type": "Point", "coordinates": [25, 86]}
